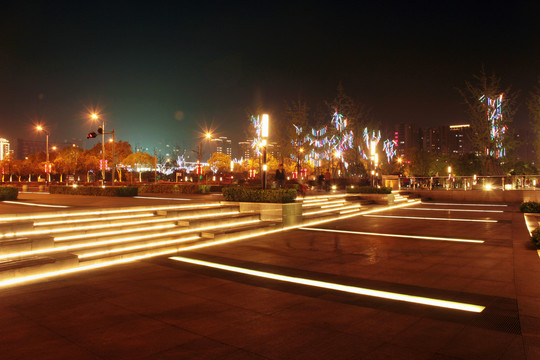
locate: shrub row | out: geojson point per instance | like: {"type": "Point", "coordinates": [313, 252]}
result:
{"type": "Point", "coordinates": [530, 207]}
{"type": "Point", "coordinates": [369, 190]}
{"type": "Point", "coordinates": [237, 193]}
{"type": "Point", "coordinates": [8, 193]}
{"type": "Point", "coordinates": [94, 190]}
{"type": "Point", "coordinates": [179, 188]}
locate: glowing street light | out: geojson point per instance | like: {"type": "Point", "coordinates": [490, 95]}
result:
{"type": "Point", "coordinates": [47, 169]}
{"type": "Point", "coordinates": [264, 135]}
{"type": "Point", "coordinates": [95, 117]}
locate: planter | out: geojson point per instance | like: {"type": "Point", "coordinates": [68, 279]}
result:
{"type": "Point", "coordinates": [288, 214]}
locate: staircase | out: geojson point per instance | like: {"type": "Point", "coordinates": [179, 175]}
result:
{"type": "Point", "coordinates": [45, 244]}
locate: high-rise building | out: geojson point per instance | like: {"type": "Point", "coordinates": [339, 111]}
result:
{"type": "Point", "coordinates": [222, 145]}
{"type": "Point", "coordinates": [29, 147]}
{"type": "Point", "coordinates": [4, 148]}
{"type": "Point", "coordinates": [245, 149]}
{"type": "Point", "coordinates": [459, 139]}
{"type": "Point", "coordinates": [408, 137]}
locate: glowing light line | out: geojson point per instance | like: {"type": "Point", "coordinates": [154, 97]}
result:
{"type": "Point", "coordinates": [138, 247]}
{"type": "Point", "coordinates": [324, 203]}
{"type": "Point", "coordinates": [529, 228]}
{"type": "Point", "coordinates": [33, 204]}
{"type": "Point", "coordinates": [468, 210]}
{"type": "Point", "coordinates": [431, 218]}
{"type": "Point", "coordinates": [421, 237]}
{"type": "Point", "coordinates": [461, 204]}
{"type": "Point", "coordinates": [338, 287]}
{"type": "Point", "coordinates": [60, 222]}
{"type": "Point", "coordinates": [332, 209]}
{"type": "Point", "coordinates": [159, 198]}
{"type": "Point", "coordinates": [103, 212]}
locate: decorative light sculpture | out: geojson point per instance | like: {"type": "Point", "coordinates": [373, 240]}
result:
{"type": "Point", "coordinates": [497, 128]}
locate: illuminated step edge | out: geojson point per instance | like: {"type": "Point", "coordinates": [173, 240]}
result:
{"type": "Point", "coordinates": [349, 207]}
{"type": "Point", "coordinates": [71, 231]}
{"type": "Point", "coordinates": [100, 263]}
{"type": "Point", "coordinates": [37, 265]}
{"type": "Point", "coordinates": [120, 238]}
{"type": "Point", "coordinates": [136, 209]}
{"type": "Point", "coordinates": [339, 287]}
{"type": "Point", "coordinates": [320, 203]}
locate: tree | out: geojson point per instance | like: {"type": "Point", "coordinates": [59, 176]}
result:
{"type": "Point", "coordinates": [534, 108]}
{"type": "Point", "coordinates": [476, 94]}
{"type": "Point", "coordinates": [138, 161]}
{"type": "Point", "coordinates": [220, 162]}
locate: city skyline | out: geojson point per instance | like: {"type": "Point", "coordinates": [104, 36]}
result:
{"type": "Point", "coordinates": [158, 74]}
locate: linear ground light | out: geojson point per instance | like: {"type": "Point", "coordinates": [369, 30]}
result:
{"type": "Point", "coordinates": [62, 222]}
{"type": "Point", "coordinates": [431, 218]}
{"type": "Point", "coordinates": [159, 198]}
{"type": "Point", "coordinates": [320, 197]}
{"type": "Point", "coordinates": [462, 204]}
{"type": "Point", "coordinates": [421, 237]}
{"type": "Point", "coordinates": [530, 227]}
{"type": "Point", "coordinates": [339, 287]}
{"type": "Point", "coordinates": [34, 204]}
{"type": "Point", "coordinates": [467, 210]}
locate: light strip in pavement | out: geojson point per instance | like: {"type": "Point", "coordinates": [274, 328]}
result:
{"type": "Point", "coordinates": [159, 198]}
{"type": "Point", "coordinates": [461, 204]}
{"type": "Point", "coordinates": [469, 210]}
{"type": "Point", "coordinates": [33, 204]}
{"type": "Point", "coordinates": [421, 237]}
{"type": "Point", "coordinates": [338, 287]}
{"type": "Point", "coordinates": [428, 218]}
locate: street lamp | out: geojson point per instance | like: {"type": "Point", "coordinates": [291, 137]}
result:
{"type": "Point", "coordinates": [264, 135]}
{"type": "Point", "coordinates": [95, 116]}
{"type": "Point", "coordinates": [40, 128]}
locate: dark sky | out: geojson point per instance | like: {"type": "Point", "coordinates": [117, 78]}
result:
{"type": "Point", "coordinates": [142, 63]}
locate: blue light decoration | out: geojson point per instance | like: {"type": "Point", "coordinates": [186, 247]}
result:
{"type": "Point", "coordinates": [257, 141]}
{"type": "Point", "coordinates": [388, 148]}
{"type": "Point", "coordinates": [497, 127]}
{"type": "Point", "coordinates": [369, 139]}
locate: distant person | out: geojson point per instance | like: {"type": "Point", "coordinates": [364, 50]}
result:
{"type": "Point", "coordinates": [280, 176]}
{"type": "Point", "coordinates": [327, 179]}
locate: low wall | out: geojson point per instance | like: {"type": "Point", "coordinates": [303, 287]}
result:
{"type": "Point", "coordinates": [491, 196]}
{"type": "Point", "coordinates": [289, 214]}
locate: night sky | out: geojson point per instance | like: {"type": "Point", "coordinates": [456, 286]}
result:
{"type": "Point", "coordinates": [160, 70]}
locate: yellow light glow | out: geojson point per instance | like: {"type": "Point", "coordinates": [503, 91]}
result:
{"type": "Point", "coordinates": [138, 247]}
{"type": "Point", "coordinates": [488, 187]}
{"type": "Point", "coordinates": [265, 124]}
{"type": "Point", "coordinates": [310, 204]}
{"type": "Point", "coordinates": [265, 167]}
{"type": "Point", "coordinates": [332, 209]}
{"type": "Point", "coordinates": [94, 116]}
{"type": "Point", "coordinates": [430, 218]}
{"type": "Point", "coordinates": [463, 204]}
{"type": "Point", "coordinates": [421, 237]}
{"type": "Point", "coordinates": [33, 204]}
{"type": "Point", "coordinates": [467, 210]}
{"type": "Point", "coordinates": [334, 187]}
{"type": "Point", "coordinates": [339, 287]}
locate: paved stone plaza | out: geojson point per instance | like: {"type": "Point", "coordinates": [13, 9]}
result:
{"type": "Point", "coordinates": [161, 308]}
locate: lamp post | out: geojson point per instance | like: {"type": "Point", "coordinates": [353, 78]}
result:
{"type": "Point", "coordinates": [47, 170]}
{"type": "Point", "coordinates": [96, 117]}
{"type": "Point", "coordinates": [264, 135]}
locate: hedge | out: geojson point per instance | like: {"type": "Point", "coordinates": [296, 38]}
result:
{"type": "Point", "coordinates": [210, 188]}
{"type": "Point", "coordinates": [8, 193]}
{"type": "Point", "coordinates": [369, 190]}
{"type": "Point", "coordinates": [530, 207]}
{"type": "Point", "coordinates": [94, 190]}
{"type": "Point", "coordinates": [237, 193]}
{"type": "Point", "coordinates": [169, 188]}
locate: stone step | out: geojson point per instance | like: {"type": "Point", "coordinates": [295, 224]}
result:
{"type": "Point", "coordinates": [148, 234]}
{"type": "Point", "coordinates": [24, 244]}
{"type": "Point", "coordinates": [33, 265]}
{"type": "Point", "coordinates": [242, 231]}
